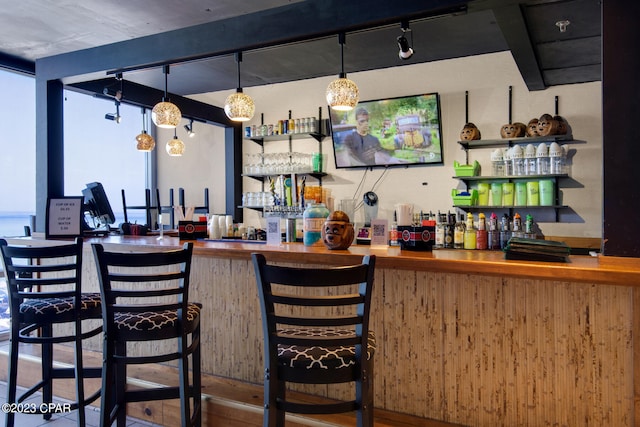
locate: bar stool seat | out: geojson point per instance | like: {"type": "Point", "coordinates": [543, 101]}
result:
{"type": "Point", "coordinates": [162, 324]}
{"type": "Point", "coordinates": [321, 357]}
{"type": "Point", "coordinates": [60, 309]}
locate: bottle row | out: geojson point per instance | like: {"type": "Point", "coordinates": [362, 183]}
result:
{"type": "Point", "coordinates": [471, 234]}
{"type": "Point", "coordinates": [282, 127]}
{"type": "Point", "coordinates": [518, 161]}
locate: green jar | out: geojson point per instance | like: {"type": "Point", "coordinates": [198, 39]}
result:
{"type": "Point", "coordinates": [314, 218]}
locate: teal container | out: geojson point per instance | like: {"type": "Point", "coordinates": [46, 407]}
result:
{"type": "Point", "coordinates": [314, 218]}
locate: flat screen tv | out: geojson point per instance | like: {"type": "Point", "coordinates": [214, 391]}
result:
{"type": "Point", "coordinates": [97, 205]}
{"type": "Point", "coordinates": [401, 131]}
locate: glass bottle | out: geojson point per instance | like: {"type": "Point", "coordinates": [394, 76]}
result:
{"type": "Point", "coordinates": [528, 228]}
{"type": "Point", "coordinates": [314, 217]}
{"type": "Point", "coordinates": [517, 226]}
{"type": "Point", "coordinates": [449, 229]}
{"type": "Point", "coordinates": [470, 233]}
{"type": "Point", "coordinates": [439, 243]}
{"type": "Point", "coordinates": [393, 232]}
{"type": "Point", "coordinates": [505, 233]}
{"type": "Point", "coordinates": [481, 233]}
{"type": "Point", "coordinates": [458, 233]}
{"type": "Point", "coordinates": [493, 235]}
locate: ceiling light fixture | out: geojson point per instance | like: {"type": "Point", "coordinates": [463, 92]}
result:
{"type": "Point", "coordinates": [406, 51]}
{"type": "Point", "coordinates": [189, 129]}
{"type": "Point", "coordinates": [175, 147]}
{"type": "Point", "coordinates": [342, 93]}
{"type": "Point", "coordinates": [116, 117]}
{"type": "Point", "coordinates": [166, 114]}
{"type": "Point", "coordinates": [562, 25]}
{"type": "Point", "coordinates": [116, 97]}
{"type": "Point", "coordinates": [145, 141]}
{"type": "Point", "coordinates": [239, 106]}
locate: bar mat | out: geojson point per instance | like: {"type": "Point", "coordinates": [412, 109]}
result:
{"type": "Point", "coordinates": [537, 250]}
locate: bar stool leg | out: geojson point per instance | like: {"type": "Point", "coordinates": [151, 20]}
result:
{"type": "Point", "coordinates": [79, 373]}
{"type": "Point", "coordinates": [121, 386]}
{"type": "Point", "coordinates": [47, 368]}
{"type": "Point", "coordinates": [12, 372]}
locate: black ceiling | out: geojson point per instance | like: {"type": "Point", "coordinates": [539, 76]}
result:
{"type": "Point", "coordinates": [37, 30]}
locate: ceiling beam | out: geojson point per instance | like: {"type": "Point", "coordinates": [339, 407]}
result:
{"type": "Point", "coordinates": [287, 24]}
{"type": "Point", "coordinates": [144, 96]}
{"type": "Point", "coordinates": [18, 65]}
{"type": "Point", "coordinates": [514, 29]}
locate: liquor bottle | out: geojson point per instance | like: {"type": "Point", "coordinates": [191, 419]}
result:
{"type": "Point", "coordinates": [528, 228]}
{"type": "Point", "coordinates": [470, 233]}
{"type": "Point", "coordinates": [439, 244]}
{"type": "Point", "coordinates": [481, 233]}
{"type": "Point", "coordinates": [505, 233]}
{"type": "Point", "coordinates": [493, 235]}
{"type": "Point", "coordinates": [458, 233]}
{"type": "Point", "coordinates": [517, 226]}
{"type": "Point", "coordinates": [393, 232]}
{"type": "Point", "coordinates": [448, 230]}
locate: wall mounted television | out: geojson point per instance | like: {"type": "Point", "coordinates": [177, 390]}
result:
{"type": "Point", "coordinates": [402, 131]}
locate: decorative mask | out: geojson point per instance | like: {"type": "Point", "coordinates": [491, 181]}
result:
{"type": "Point", "coordinates": [532, 127]}
{"type": "Point", "coordinates": [563, 125]}
{"type": "Point", "coordinates": [469, 132]}
{"type": "Point", "coordinates": [337, 232]}
{"type": "Point", "coordinates": [547, 125]}
{"type": "Point", "coordinates": [513, 130]}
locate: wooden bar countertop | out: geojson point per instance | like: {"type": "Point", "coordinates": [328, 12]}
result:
{"type": "Point", "coordinates": [580, 268]}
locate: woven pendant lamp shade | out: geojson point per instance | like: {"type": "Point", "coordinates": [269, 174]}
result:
{"type": "Point", "coordinates": [175, 147]}
{"type": "Point", "coordinates": [145, 142]}
{"type": "Point", "coordinates": [239, 107]}
{"type": "Point", "coordinates": [342, 94]}
{"type": "Point", "coordinates": [166, 115]}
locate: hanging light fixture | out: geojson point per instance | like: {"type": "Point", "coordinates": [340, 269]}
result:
{"type": "Point", "coordinates": [166, 114]}
{"type": "Point", "coordinates": [117, 96]}
{"type": "Point", "coordinates": [189, 129]}
{"type": "Point", "coordinates": [342, 93]}
{"type": "Point", "coordinates": [406, 51]}
{"type": "Point", "coordinates": [175, 147]}
{"type": "Point", "coordinates": [239, 106]}
{"type": "Point", "coordinates": [145, 141]}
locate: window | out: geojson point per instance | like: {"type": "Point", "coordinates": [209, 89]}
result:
{"type": "Point", "coordinates": [99, 149]}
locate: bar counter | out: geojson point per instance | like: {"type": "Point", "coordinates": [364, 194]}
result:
{"type": "Point", "coordinates": [462, 336]}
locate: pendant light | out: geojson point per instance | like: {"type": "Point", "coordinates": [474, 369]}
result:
{"type": "Point", "coordinates": [175, 147]}
{"type": "Point", "coordinates": [166, 114]}
{"type": "Point", "coordinates": [342, 93]}
{"type": "Point", "coordinates": [239, 106]}
{"type": "Point", "coordinates": [145, 141]}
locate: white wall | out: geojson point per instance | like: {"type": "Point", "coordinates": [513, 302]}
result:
{"type": "Point", "coordinates": [486, 77]}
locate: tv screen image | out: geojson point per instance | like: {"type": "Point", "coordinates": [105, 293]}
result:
{"type": "Point", "coordinates": [97, 204]}
{"type": "Point", "coordinates": [400, 131]}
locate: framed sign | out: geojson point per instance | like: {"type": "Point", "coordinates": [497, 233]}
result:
{"type": "Point", "coordinates": [64, 216]}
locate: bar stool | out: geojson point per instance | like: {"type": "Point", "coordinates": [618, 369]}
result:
{"type": "Point", "coordinates": [316, 339]}
{"type": "Point", "coordinates": [146, 298]}
{"type": "Point", "coordinates": [45, 289]}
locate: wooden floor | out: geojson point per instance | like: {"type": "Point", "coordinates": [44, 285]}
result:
{"type": "Point", "coordinates": [227, 403]}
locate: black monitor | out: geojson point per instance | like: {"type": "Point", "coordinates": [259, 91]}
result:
{"type": "Point", "coordinates": [97, 205]}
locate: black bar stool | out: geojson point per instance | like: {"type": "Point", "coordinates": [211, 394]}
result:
{"type": "Point", "coordinates": [45, 289]}
{"type": "Point", "coordinates": [316, 339]}
{"type": "Point", "coordinates": [146, 298]}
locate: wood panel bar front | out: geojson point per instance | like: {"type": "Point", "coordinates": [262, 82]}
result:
{"type": "Point", "coordinates": [462, 336]}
